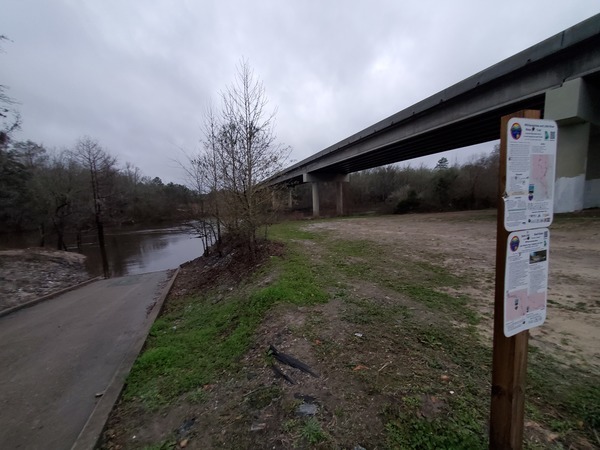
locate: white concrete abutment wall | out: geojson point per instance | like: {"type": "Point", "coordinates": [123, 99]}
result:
{"type": "Point", "coordinates": [575, 106]}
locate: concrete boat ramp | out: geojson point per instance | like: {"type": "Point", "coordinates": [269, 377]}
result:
{"type": "Point", "coordinates": [63, 362]}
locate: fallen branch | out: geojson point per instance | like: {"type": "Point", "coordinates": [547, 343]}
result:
{"type": "Point", "coordinates": [291, 361]}
{"type": "Point", "coordinates": [280, 374]}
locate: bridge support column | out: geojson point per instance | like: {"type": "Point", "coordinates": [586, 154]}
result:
{"type": "Point", "coordinates": [315, 178]}
{"type": "Point", "coordinates": [315, 198]}
{"type": "Point", "coordinates": [290, 198]}
{"type": "Point", "coordinates": [339, 198]}
{"type": "Point", "coordinates": [575, 107]}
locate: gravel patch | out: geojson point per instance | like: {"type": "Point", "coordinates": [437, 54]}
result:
{"type": "Point", "coordinates": [35, 272]}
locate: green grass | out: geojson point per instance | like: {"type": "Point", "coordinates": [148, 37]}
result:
{"type": "Point", "coordinates": [196, 340]}
{"type": "Point", "coordinates": [438, 348]}
{"type": "Point", "coordinates": [563, 399]}
{"type": "Point", "coordinates": [566, 398]}
{"type": "Point", "coordinates": [189, 345]}
{"type": "Point", "coordinates": [292, 231]}
{"type": "Point", "coordinates": [430, 346]}
{"type": "Point", "coordinates": [363, 311]}
{"type": "Point", "coordinates": [312, 432]}
{"type": "Point", "coordinates": [419, 280]}
{"type": "Point", "coordinates": [458, 431]}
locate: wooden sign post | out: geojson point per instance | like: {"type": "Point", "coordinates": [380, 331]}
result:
{"type": "Point", "coordinates": [509, 365]}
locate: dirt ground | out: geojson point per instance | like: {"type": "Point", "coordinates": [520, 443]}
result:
{"type": "Point", "coordinates": [464, 243]}
{"type": "Point", "coordinates": [372, 363]}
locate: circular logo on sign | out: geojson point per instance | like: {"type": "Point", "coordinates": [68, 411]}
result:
{"type": "Point", "coordinates": [514, 243]}
{"type": "Point", "coordinates": [516, 130]}
{"type": "Point", "coordinates": [531, 190]}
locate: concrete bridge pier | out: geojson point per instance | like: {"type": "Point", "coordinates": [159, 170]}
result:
{"type": "Point", "coordinates": [315, 178]}
{"type": "Point", "coordinates": [339, 198]}
{"type": "Point", "coordinates": [575, 106]}
{"type": "Point", "coordinates": [315, 198]}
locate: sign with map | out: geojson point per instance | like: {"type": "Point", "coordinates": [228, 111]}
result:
{"type": "Point", "coordinates": [530, 167]}
{"type": "Point", "coordinates": [526, 280]}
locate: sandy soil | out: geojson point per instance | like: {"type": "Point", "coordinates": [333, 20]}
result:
{"type": "Point", "coordinates": [465, 243]}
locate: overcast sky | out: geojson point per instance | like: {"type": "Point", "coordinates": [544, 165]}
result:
{"type": "Point", "coordinates": [138, 75]}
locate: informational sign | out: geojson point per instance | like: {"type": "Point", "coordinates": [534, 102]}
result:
{"type": "Point", "coordinates": [530, 167]}
{"type": "Point", "coordinates": [526, 280]}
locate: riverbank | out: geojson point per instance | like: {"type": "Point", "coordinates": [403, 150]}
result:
{"type": "Point", "coordinates": [28, 274]}
{"type": "Point", "coordinates": [391, 318]}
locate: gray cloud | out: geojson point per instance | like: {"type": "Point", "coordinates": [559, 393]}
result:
{"type": "Point", "coordinates": [138, 75]}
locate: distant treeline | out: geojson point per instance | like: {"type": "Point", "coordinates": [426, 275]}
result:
{"type": "Point", "coordinates": [75, 190]}
{"type": "Point", "coordinates": [71, 191]}
{"type": "Point", "coordinates": [400, 190]}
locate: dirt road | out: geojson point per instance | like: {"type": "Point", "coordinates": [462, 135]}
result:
{"type": "Point", "coordinates": [58, 357]}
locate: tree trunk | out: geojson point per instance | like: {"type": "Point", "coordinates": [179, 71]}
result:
{"type": "Point", "coordinates": [42, 234]}
{"type": "Point", "coordinates": [218, 220]}
{"type": "Point", "coordinates": [60, 236]}
{"type": "Point", "coordinates": [102, 245]}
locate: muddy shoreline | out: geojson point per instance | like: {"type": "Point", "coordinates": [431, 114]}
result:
{"type": "Point", "coordinates": [28, 274]}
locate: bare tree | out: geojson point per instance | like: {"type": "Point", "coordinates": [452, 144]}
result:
{"type": "Point", "coordinates": [10, 119]}
{"type": "Point", "coordinates": [56, 190]}
{"type": "Point", "coordinates": [248, 153]}
{"type": "Point", "coordinates": [203, 176]}
{"type": "Point", "coordinates": [208, 176]}
{"type": "Point", "coordinates": [101, 168]}
{"type": "Point", "coordinates": [239, 152]}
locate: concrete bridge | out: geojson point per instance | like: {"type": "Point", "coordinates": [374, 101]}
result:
{"type": "Point", "coordinates": [559, 76]}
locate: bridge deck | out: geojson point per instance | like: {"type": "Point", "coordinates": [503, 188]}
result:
{"type": "Point", "coordinates": [468, 112]}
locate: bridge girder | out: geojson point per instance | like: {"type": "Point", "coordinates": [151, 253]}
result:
{"type": "Point", "coordinates": [466, 113]}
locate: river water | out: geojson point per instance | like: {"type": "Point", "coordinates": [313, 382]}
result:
{"type": "Point", "coordinates": [141, 251]}
{"type": "Point", "coordinates": [132, 251]}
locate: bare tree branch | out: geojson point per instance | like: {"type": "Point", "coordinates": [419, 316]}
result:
{"type": "Point", "coordinates": [240, 150]}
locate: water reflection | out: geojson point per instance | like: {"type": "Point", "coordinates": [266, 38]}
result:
{"type": "Point", "coordinates": [130, 251]}
{"type": "Point", "coordinates": [140, 251]}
